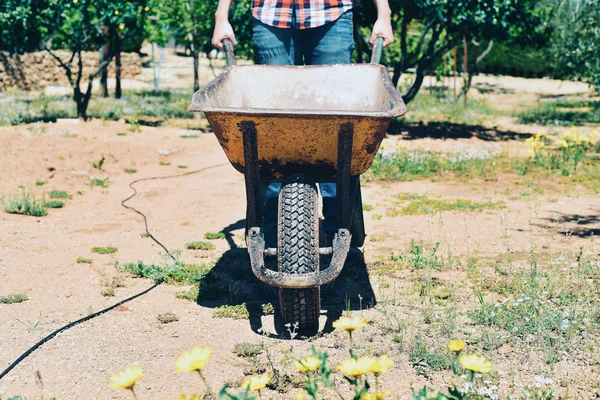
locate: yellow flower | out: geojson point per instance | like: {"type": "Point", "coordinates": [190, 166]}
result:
{"type": "Point", "coordinates": [299, 396]}
{"type": "Point", "coordinates": [376, 396]}
{"type": "Point", "coordinates": [381, 365]}
{"type": "Point", "coordinates": [475, 363]}
{"type": "Point", "coordinates": [193, 397]}
{"type": "Point", "coordinates": [127, 378]}
{"type": "Point", "coordinates": [530, 153]}
{"type": "Point", "coordinates": [146, 8]}
{"type": "Point", "coordinates": [121, 26]}
{"type": "Point", "coordinates": [310, 363]}
{"type": "Point", "coordinates": [456, 345]}
{"type": "Point", "coordinates": [256, 382]}
{"type": "Point", "coordinates": [116, 12]}
{"type": "Point", "coordinates": [383, 146]}
{"type": "Point", "coordinates": [353, 367]}
{"type": "Point", "coordinates": [75, 1]}
{"type": "Point", "coordinates": [193, 360]}
{"type": "Point", "coordinates": [350, 323]}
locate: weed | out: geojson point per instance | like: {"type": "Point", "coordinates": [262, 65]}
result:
{"type": "Point", "coordinates": [377, 216]}
{"type": "Point", "coordinates": [376, 238]}
{"type": "Point", "coordinates": [418, 259]}
{"type": "Point", "coordinates": [24, 203]}
{"type": "Point", "coordinates": [83, 260]}
{"type": "Point", "coordinates": [99, 163]}
{"type": "Point", "coordinates": [182, 166]}
{"type": "Point", "coordinates": [198, 245]}
{"type": "Point", "coordinates": [239, 311]}
{"type": "Point", "coordinates": [53, 204]}
{"type": "Point", "coordinates": [104, 250]}
{"type": "Point", "coordinates": [424, 360]}
{"type": "Point", "coordinates": [121, 134]}
{"type": "Point", "coordinates": [367, 207]}
{"type": "Point", "coordinates": [190, 134]}
{"type": "Point", "coordinates": [268, 309]}
{"type": "Point", "coordinates": [176, 274]}
{"type": "Point", "coordinates": [164, 163]}
{"type": "Point", "coordinates": [40, 183]}
{"type": "Point", "coordinates": [130, 170]}
{"type": "Point", "coordinates": [426, 205]}
{"type": "Point", "coordinates": [167, 318]}
{"type": "Point", "coordinates": [59, 194]}
{"type": "Point", "coordinates": [13, 298]}
{"type": "Point", "coordinates": [102, 182]}
{"type": "Point", "coordinates": [214, 235]}
{"type": "Point", "coordinates": [108, 292]}
{"type": "Point", "coordinates": [247, 350]}
{"type": "Point", "coordinates": [144, 235]}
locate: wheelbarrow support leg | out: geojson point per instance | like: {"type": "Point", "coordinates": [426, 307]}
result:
{"type": "Point", "coordinates": [344, 165]}
{"type": "Point", "coordinates": [251, 174]}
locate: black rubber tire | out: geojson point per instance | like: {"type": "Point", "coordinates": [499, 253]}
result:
{"type": "Point", "coordinates": [298, 251]}
{"type": "Point", "coordinates": [357, 228]}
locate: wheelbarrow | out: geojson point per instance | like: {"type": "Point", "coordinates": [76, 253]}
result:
{"type": "Point", "coordinates": [301, 125]}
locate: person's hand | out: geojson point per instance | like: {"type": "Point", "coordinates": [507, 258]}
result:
{"type": "Point", "coordinates": [223, 30]}
{"type": "Point", "coordinates": [383, 28]}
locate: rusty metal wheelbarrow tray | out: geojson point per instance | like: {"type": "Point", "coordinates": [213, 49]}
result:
{"type": "Point", "coordinates": [297, 112]}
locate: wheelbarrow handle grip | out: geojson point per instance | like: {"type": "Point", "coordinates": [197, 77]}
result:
{"type": "Point", "coordinates": [228, 47]}
{"type": "Point", "coordinates": [377, 50]}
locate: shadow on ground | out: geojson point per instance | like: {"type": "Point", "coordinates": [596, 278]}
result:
{"type": "Point", "coordinates": [585, 225]}
{"type": "Point", "coordinates": [448, 130]}
{"type": "Point", "coordinates": [231, 282]}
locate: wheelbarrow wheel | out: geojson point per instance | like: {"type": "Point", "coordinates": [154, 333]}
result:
{"type": "Point", "coordinates": [298, 251]}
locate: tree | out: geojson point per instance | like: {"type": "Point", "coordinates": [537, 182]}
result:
{"type": "Point", "coordinates": [576, 44]}
{"type": "Point", "coordinates": [428, 29]}
{"type": "Point", "coordinates": [19, 31]}
{"type": "Point", "coordinates": [191, 22]}
{"type": "Point", "coordinates": [72, 24]}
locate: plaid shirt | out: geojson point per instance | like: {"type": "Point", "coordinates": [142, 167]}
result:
{"type": "Point", "coordinates": [299, 14]}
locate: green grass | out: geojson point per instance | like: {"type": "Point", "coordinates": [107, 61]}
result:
{"type": "Point", "coordinates": [406, 165]}
{"type": "Point", "coordinates": [247, 350]}
{"type": "Point", "coordinates": [130, 170]}
{"type": "Point", "coordinates": [179, 273]}
{"type": "Point", "coordinates": [54, 204]}
{"type": "Point", "coordinates": [214, 235]}
{"type": "Point", "coordinates": [199, 245]}
{"type": "Point", "coordinates": [40, 183]}
{"type": "Point", "coordinates": [167, 318]}
{"type": "Point", "coordinates": [59, 194]}
{"type": "Point", "coordinates": [148, 105]}
{"type": "Point", "coordinates": [239, 311]}
{"type": "Point", "coordinates": [182, 166]}
{"type": "Point", "coordinates": [425, 361]}
{"type": "Point", "coordinates": [83, 260]}
{"type": "Point", "coordinates": [425, 205]}
{"type": "Point", "coordinates": [164, 163]}
{"type": "Point", "coordinates": [24, 203]}
{"type": "Point", "coordinates": [102, 182]}
{"type": "Point", "coordinates": [104, 250]}
{"type": "Point", "coordinates": [13, 298]}
{"type": "Point", "coordinates": [569, 112]}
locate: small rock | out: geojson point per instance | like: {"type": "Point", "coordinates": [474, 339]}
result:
{"type": "Point", "coordinates": [122, 308]}
{"type": "Point", "coordinates": [504, 350]}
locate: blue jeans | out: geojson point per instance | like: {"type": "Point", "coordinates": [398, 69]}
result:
{"type": "Point", "coordinates": [332, 43]}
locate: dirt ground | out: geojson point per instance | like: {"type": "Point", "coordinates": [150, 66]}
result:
{"type": "Point", "coordinates": [38, 258]}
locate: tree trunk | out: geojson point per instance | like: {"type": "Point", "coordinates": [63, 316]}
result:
{"type": "Point", "coordinates": [195, 54]}
{"type": "Point", "coordinates": [104, 54]}
{"type": "Point", "coordinates": [118, 65]}
{"type": "Point", "coordinates": [414, 89]}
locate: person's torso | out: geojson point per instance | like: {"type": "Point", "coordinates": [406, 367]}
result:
{"type": "Point", "coordinates": [299, 14]}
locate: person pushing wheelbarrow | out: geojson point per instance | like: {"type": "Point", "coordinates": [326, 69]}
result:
{"type": "Point", "coordinates": [302, 127]}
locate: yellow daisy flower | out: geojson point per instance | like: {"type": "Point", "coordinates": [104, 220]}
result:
{"type": "Point", "coordinates": [193, 397]}
{"type": "Point", "coordinates": [475, 363]}
{"type": "Point", "coordinates": [310, 363]}
{"type": "Point", "coordinates": [456, 345]}
{"type": "Point", "coordinates": [381, 365]}
{"type": "Point", "coordinates": [256, 382]}
{"type": "Point", "coordinates": [376, 396]}
{"type": "Point", "coordinates": [127, 378]}
{"type": "Point", "coordinates": [353, 367]}
{"type": "Point", "coordinates": [349, 324]}
{"type": "Point", "coordinates": [193, 360]}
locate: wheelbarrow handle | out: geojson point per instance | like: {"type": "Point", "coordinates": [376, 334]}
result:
{"type": "Point", "coordinates": [377, 50]}
{"type": "Point", "coordinates": [228, 47]}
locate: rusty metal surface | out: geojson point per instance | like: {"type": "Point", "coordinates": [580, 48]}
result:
{"type": "Point", "coordinates": [298, 112]}
{"type": "Point", "coordinates": [256, 249]}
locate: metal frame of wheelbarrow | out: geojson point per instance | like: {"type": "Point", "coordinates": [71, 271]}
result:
{"type": "Point", "coordinates": [255, 240]}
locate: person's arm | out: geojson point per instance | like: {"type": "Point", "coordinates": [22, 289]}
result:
{"type": "Point", "coordinates": [223, 28]}
{"type": "Point", "coordinates": [383, 25]}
